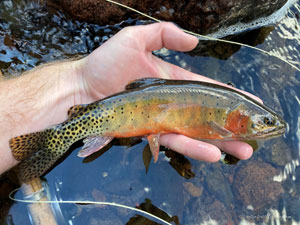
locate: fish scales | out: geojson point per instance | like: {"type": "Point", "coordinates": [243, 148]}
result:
{"type": "Point", "coordinates": [195, 109]}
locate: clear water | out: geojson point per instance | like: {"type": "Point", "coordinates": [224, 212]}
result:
{"type": "Point", "coordinates": [218, 193]}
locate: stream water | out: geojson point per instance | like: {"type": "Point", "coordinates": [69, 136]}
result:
{"type": "Point", "coordinates": [262, 190]}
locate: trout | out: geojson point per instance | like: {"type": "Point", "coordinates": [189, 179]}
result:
{"type": "Point", "coordinates": [149, 107]}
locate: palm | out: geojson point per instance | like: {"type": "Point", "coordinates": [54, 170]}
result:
{"type": "Point", "coordinates": [128, 56]}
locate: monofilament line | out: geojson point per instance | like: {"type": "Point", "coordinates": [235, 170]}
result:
{"type": "Point", "coordinates": [87, 202]}
{"type": "Point", "coordinates": [207, 37]}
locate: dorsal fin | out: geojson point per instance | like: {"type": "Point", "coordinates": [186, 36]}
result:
{"type": "Point", "coordinates": [74, 110]}
{"type": "Point", "coordinates": [144, 82]}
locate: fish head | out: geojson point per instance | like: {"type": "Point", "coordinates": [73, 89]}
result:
{"type": "Point", "coordinates": [254, 122]}
{"type": "Point", "coordinates": [266, 125]}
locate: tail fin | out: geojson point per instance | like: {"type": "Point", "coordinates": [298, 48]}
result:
{"type": "Point", "coordinates": [26, 145]}
{"type": "Point", "coordinates": [37, 152]}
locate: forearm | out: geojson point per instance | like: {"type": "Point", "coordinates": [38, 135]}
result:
{"type": "Point", "coordinates": [34, 101]}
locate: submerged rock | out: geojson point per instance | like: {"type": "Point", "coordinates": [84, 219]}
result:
{"type": "Point", "coordinates": [255, 185]}
{"type": "Point", "coordinates": [199, 16]}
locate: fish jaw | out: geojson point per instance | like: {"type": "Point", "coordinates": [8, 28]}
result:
{"type": "Point", "coordinates": [272, 132]}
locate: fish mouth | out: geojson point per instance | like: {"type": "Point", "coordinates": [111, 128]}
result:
{"type": "Point", "coordinates": [271, 132]}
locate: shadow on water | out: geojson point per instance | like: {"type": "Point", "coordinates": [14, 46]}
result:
{"type": "Point", "coordinates": [264, 189]}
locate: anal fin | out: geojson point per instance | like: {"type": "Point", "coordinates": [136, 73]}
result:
{"type": "Point", "coordinates": [153, 140]}
{"type": "Point", "coordinates": [93, 144]}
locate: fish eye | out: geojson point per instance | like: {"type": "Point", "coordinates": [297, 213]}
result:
{"type": "Point", "coordinates": [269, 121]}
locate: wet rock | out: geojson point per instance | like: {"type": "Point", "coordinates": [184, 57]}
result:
{"type": "Point", "coordinates": [221, 50]}
{"type": "Point", "coordinates": [218, 185]}
{"type": "Point", "coordinates": [99, 196]}
{"type": "Point", "coordinates": [106, 221]}
{"type": "Point", "coordinates": [205, 210]}
{"type": "Point", "coordinates": [255, 186]}
{"type": "Point", "coordinates": [192, 189]}
{"type": "Point", "coordinates": [181, 164]}
{"type": "Point", "coordinates": [199, 16]}
{"type": "Point", "coordinates": [147, 206]}
{"type": "Point", "coordinates": [293, 209]}
{"type": "Point", "coordinates": [281, 153]}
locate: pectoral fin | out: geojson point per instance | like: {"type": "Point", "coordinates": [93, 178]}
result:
{"type": "Point", "coordinates": [220, 130]}
{"type": "Point", "coordinates": [153, 140]}
{"type": "Point", "coordinates": [93, 144]}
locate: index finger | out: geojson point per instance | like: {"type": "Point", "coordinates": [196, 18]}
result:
{"type": "Point", "coordinates": [166, 35]}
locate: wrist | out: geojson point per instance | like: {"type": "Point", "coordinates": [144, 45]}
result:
{"type": "Point", "coordinates": [36, 100]}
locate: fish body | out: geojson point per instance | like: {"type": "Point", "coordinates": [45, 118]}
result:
{"type": "Point", "coordinates": [149, 107]}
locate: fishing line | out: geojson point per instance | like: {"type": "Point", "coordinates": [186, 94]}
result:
{"type": "Point", "coordinates": [85, 202]}
{"type": "Point", "coordinates": [210, 38]}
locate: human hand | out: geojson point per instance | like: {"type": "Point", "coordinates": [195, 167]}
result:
{"type": "Point", "coordinates": [128, 56]}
